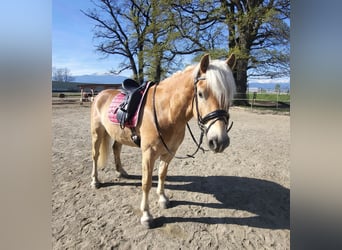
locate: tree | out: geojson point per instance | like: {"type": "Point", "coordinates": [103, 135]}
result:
{"type": "Point", "coordinates": [142, 32]}
{"type": "Point", "coordinates": [259, 35]}
{"type": "Point", "coordinates": [152, 36]}
{"type": "Point", "coordinates": [159, 37]}
{"type": "Point", "coordinates": [121, 30]}
{"type": "Point", "coordinates": [256, 31]}
{"type": "Point", "coordinates": [61, 75]}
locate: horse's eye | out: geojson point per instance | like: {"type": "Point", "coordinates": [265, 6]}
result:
{"type": "Point", "coordinates": [200, 94]}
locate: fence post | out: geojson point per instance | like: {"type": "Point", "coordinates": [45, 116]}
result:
{"type": "Point", "coordinates": [253, 100]}
{"type": "Point", "coordinates": [277, 98]}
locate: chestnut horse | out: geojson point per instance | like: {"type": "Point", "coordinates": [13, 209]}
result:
{"type": "Point", "coordinates": [204, 91]}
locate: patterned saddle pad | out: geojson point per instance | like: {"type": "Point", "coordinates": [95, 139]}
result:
{"type": "Point", "coordinates": [115, 105]}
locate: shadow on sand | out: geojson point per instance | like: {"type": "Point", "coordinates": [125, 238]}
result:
{"type": "Point", "coordinates": [269, 201]}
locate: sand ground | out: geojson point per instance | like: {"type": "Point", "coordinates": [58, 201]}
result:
{"type": "Point", "coordinates": [239, 199]}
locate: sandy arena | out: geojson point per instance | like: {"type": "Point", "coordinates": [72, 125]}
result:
{"type": "Point", "coordinates": [239, 199]}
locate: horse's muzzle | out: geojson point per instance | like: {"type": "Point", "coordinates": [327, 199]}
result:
{"type": "Point", "coordinates": [218, 146]}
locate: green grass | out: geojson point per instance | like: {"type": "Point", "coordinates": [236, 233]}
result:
{"type": "Point", "coordinates": [270, 97]}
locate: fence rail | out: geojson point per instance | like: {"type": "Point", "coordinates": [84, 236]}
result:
{"type": "Point", "coordinates": [255, 100]}
{"type": "Point", "coordinates": [274, 100]}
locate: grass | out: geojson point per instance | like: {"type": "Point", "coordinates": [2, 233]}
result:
{"type": "Point", "coordinates": [270, 97]}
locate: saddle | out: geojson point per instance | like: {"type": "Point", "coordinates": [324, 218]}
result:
{"type": "Point", "coordinates": [133, 94]}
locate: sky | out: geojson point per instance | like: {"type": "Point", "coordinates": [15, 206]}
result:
{"type": "Point", "coordinates": [73, 44]}
{"type": "Point", "coordinates": [72, 40]}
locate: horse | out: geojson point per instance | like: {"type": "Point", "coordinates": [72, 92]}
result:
{"type": "Point", "coordinates": [204, 91]}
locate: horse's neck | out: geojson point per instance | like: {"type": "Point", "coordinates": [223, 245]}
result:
{"type": "Point", "coordinates": [179, 91]}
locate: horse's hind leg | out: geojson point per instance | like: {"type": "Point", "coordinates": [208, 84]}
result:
{"type": "Point", "coordinates": [100, 143]}
{"type": "Point", "coordinates": [118, 166]}
{"type": "Point", "coordinates": [95, 155]}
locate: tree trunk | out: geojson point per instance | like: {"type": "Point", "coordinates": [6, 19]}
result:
{"type": "Point", "coordinates": [158, 72]}
{"type": "Point", "coordinates": [140, 79]}
{"type": "Point", "coordinates": [240, 75]}
{"type": "Point", "coordinates": [134, 69]}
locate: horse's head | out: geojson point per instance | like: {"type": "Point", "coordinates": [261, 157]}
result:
{"type": "Point", "coordinates": [214, 91]}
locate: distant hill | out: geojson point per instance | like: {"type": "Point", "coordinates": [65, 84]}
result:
{"type": "Point", "coordinates": [96, 78]}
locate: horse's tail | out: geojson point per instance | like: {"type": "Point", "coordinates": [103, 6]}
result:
{"type": "Point", "coordinates": [100, 137]}
{"type": "Point", "coordinates": [100, 141]}
{"type": "Point", "coordinates": [103, 150]}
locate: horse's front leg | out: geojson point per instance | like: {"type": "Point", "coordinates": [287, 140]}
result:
{"type": "Point", "coordinates": [163, 166]}
{"type": "Point", "coordinates": [147, 167]}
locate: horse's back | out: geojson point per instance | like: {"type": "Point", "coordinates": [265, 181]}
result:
{"type": "Point", "coordinates": [105, 97]}
{"type": "Point", "coordinates": [101, 104]}
{"type": "Point", "coordinates": [100, 117]}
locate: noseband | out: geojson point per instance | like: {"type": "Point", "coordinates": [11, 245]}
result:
{"type": "Point", "coordinates": [217, 115]}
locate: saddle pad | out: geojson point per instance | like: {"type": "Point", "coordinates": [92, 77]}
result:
{"type": "Point", "coordinates": [117, 100]}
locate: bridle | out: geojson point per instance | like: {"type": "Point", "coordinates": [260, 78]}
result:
{"type": "Point", "coordinates": [214, 116]}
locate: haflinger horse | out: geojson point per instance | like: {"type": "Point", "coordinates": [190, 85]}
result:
{"type": "Point", "coordinates": [204, 91]}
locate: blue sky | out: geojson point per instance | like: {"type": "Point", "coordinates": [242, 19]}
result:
{"type": "Point", "coordinates": [72, 40]}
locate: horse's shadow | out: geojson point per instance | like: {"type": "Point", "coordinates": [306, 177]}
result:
{"type": "Point", "coordinates": [268, 201]}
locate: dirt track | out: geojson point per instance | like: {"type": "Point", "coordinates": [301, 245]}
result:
{"type": "Point", "coordinates": [239, 199]}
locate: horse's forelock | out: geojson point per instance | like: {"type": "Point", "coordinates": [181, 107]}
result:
{"type": "Point", "coordinates": [221, 82]}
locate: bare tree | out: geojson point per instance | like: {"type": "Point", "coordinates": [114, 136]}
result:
{"type": "Point", "coordinates": [144, 33]}
{"type": "Point", "coordinates": [120, 29]}
{"type": "Point", "coordinates": [61, 75]}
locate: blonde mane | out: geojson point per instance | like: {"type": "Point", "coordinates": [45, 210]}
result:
{"type": "Point", "coordinates": [221, 81]}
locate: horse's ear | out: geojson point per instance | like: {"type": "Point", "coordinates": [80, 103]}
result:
{"type": "Point", "coordinates": [204, 63]}
{"type": "Point", "coordinates": [231, 61]}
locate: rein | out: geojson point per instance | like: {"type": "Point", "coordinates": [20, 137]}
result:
{"type": "Point", "coordinates": [160, 135]}
{"type": "Point", "coordinates": [215, 116]}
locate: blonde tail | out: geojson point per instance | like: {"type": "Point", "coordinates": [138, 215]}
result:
{"type": "Point", "coordinates": [103, 150]}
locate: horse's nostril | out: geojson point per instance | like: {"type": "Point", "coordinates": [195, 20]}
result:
{"type": "Point", "coordinates": [212, 144]}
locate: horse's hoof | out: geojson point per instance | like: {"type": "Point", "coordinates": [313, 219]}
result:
{"type": "Point", "coordinates": [164, 202]}
{"type": "Point", "coordinates": [147, 221]}
{"type": "Point", "coordinates": [147, 224]}
{"type": "Point", "coordinates": [95, 185]}
{"type": "Point", "coordinates": [121, 174]}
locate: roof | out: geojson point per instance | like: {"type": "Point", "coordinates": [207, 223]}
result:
{"type": "Point", "coordinates": [76, 86]}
